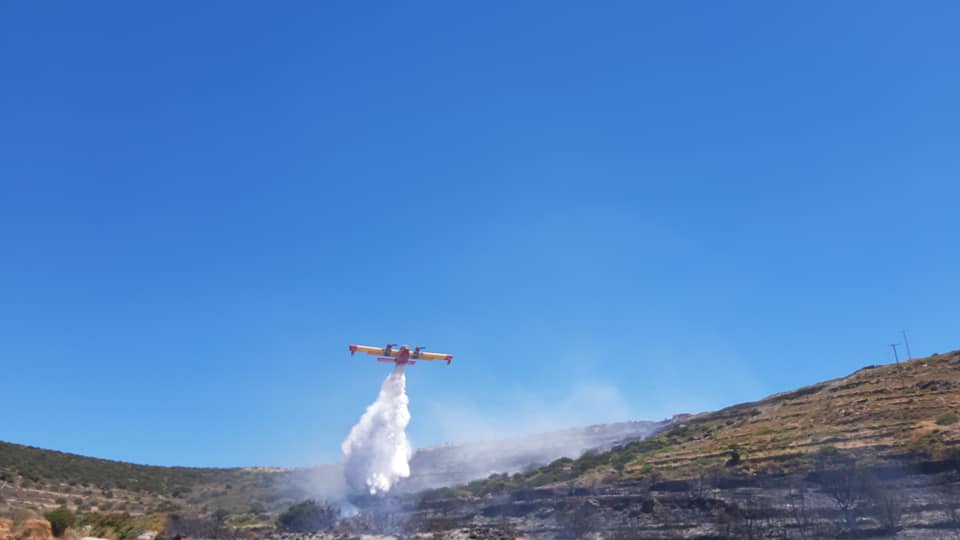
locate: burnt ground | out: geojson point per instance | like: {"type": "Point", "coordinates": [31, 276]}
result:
{"type": "Point", "coordinates": [915, 501]}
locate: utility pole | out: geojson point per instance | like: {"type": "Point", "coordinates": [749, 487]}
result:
{"type": "Point", "coordinates": [896, 357]}
{"type": "Point", "coordinates": [907, 343]}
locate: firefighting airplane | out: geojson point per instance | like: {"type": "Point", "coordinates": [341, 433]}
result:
{"type": "Point", "coordinates": [402, 356]}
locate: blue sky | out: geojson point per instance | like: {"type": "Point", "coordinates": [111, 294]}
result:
{"type": "Point", "coordinates": [606, 212]}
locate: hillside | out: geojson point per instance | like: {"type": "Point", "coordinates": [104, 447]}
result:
{"type": "Point", "coordinates": [38, 477]}
{"type": "Point", "coordinates": [34, 477]}
{"type": "Point", "coordinates": [868, 455]}
{"type": "Point", "coordinates": [879, 414]}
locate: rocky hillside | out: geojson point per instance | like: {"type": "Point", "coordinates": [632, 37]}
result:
{"type": "Point", "coordinates": [872, 454]}
{"type": "Point", "coordinates": [882, 414]}
{"type": "Point", "coordinates": [889, 414]}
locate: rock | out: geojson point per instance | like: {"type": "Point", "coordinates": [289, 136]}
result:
{"type": "Point", "coordinates": [6, 529]}
{"type": "Point", "coordinates": [34, 529]}
{"type": "Point", "coordinates": [149, 535]}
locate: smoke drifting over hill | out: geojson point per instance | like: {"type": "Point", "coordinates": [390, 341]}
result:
{"type": "Point", "coordinates": [377, 452]}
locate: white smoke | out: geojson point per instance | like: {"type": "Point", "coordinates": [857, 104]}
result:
{"type": "Point", "coordinates": [377, 452]}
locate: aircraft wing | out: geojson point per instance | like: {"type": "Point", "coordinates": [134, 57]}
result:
{"type": "Point", "coordinates": [374, 351]}
{"type": "Point", "coordinates": [435, 356]}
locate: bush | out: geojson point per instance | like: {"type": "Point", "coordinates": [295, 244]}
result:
{"type": "Point", "coordinates": [122, 526]}
{"type": "Point", "coordinates": [308, 516]}
{"type": "Point", "coordinates": [947, 419]}
{"type": "Point", "coordinates": [735, 456]}
{"type": "Point", "coordinates": [194, 527]}
{"type": "Point", "coordinates": [220, 516]}
{"type": "Point", "coordinates": [60, 520]}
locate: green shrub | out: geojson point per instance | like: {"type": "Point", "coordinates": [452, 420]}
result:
{"type": "Point", "coordinates": [947, 419]}
{"type": "Point", "coordinates": [123, 526]}
{"type": "Point", "coordinates": [60, 520]}
{"type": "Point", "coordinates": [308, 516]}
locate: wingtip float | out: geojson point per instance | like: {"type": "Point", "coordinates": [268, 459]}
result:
{"type": "Point", "coordinates": [402, 356]}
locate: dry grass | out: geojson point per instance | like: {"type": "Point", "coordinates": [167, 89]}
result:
{"type": "Point", "coordinates": [879, 413]}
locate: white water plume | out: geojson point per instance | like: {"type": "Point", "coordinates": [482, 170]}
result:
{"type": "Point", "coordinates": [377, 452]}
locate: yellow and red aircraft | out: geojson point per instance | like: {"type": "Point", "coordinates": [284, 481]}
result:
{"type": "Point", "coordinates": [402, 356]}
